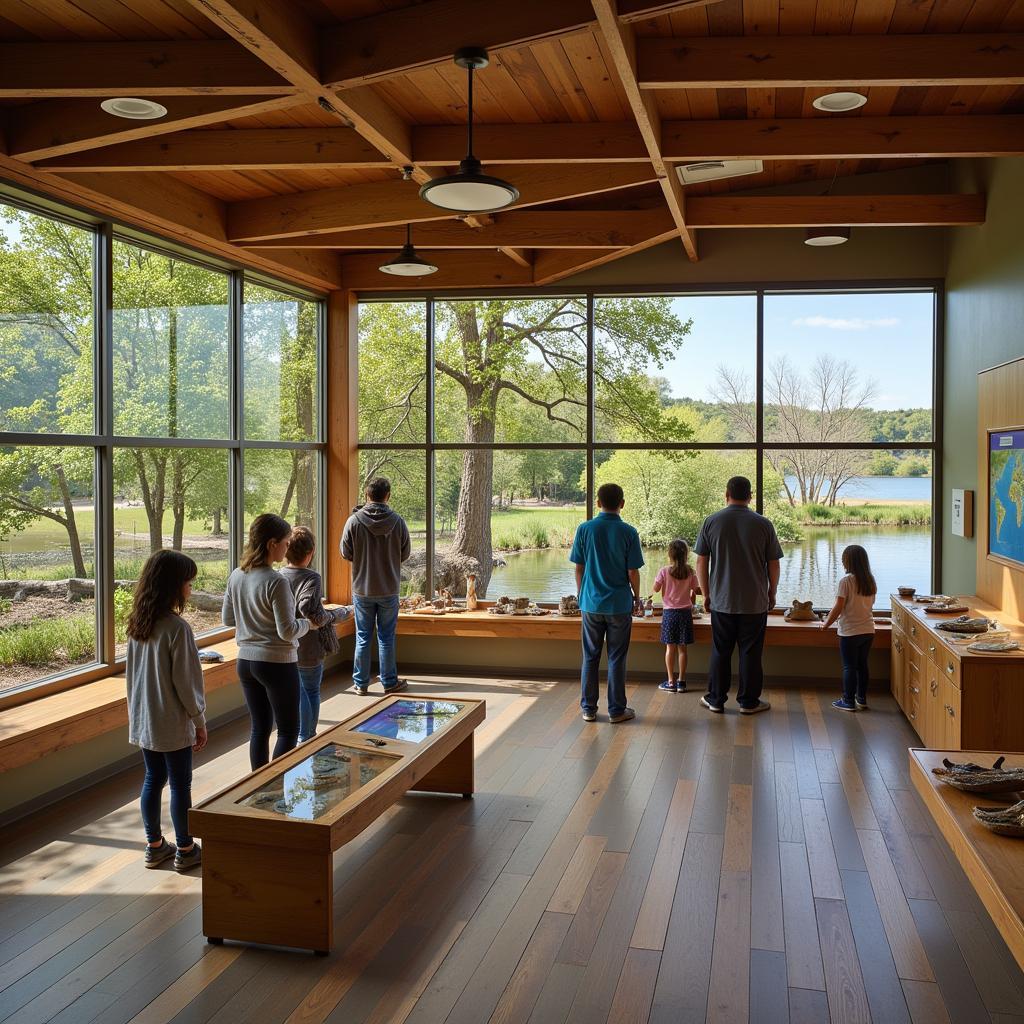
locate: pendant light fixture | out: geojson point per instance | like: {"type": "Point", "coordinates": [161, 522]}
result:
{"type": "Point", "coordinates": [469, 190]}
{"type": "Point", "coordinates": [407, 263]}
{"type": "Point", "coordinates": [826, 236]}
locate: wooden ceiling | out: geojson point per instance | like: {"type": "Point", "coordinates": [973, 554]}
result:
{"type": "Point", "coordinates": [289, 120]}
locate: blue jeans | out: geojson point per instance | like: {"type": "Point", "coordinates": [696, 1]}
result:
{"type": "Point", "coordinates": [161, 766]}
{"type": "Point", "coordinates": [598, 628]}
{"type": "Point", "coordinates": [310, 678]}
{"type": "Point", "coordinates": [382, 612]}
{"type": "Point", "coordinates": [854, 651]}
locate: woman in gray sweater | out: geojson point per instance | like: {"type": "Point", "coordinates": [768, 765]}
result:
{"type": "Point", "coordinates": [258, 602]}
{"type": "Point", "coordinates": [166, 700]}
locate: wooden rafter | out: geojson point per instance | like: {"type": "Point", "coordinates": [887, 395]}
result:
{"type": "Point", "coordinates": [526, 229]}
{"type": "Point", "coordinates": [621, 42]}
{"type": "Point", "coordinates": [52, 128]}
{"type": "Point", "coordinates": [398, 202]}
{"type": "Point", "coordinates": [166, 68]}
{"type": "Point", "coordinates": [641, 10]}
{"type": "Point", "coordinates": [550, 267]}
{"type": "Point", "coordinates": [738, 211]}
{"type": "Point", "coordinates": [746, 62]}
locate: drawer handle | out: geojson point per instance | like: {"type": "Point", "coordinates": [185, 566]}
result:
{"type": "Point", "coordinates": [913, 715]}
{"type": "Point", "coordinates": [913, 629]}
{"type": "Point", "coordinates": [949, 709]}
{"type": "Point", "coordinates": [931, 648]}
{"type": "Point", "coordinates": [934, 686]}
{"type": "Point", "coordinates": [914, 689]}
{"type": "Point", "coordinates": [949, 668]}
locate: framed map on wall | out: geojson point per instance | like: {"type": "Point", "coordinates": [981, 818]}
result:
{"type": "Point", "coordinates": [1006, 495]}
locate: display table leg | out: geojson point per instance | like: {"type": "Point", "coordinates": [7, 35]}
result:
{"type": "Point", "coordinates": [454, 774]}
{"type": "Point", "coordinates": [267, 894]}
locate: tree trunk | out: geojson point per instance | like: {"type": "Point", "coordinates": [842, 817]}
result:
{"type": "Point", "coordinates": [178, 501]}
{"type": "Point", "coordinates": [218, 530]}
{"type": "Point", "coordinates": [153, 494]}
{"type": "Point", "coordinates": [74, 541]}
{"type": "Point", "coordinates": [473, 519]}
{"type": "Point", "coordinates": [288, 491]}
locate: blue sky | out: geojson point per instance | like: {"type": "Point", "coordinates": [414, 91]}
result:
{"type": "Point", "coordinates": [887, 337]}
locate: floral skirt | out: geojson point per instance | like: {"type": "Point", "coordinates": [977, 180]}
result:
{"type": "Point", "coordinates": [677, 626]}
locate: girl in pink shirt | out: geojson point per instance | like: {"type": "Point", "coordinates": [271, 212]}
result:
{"type": "Point", "coordinates": [677, 584]}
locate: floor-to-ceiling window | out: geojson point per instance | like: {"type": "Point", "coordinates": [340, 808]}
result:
{"type": "Point", "coordinates": [148, 399]}
{"type": "Point", "coordinates": [497, 419]}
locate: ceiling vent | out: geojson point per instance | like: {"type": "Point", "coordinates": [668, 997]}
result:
{"type": "Point", "coordinates": [712, 170]}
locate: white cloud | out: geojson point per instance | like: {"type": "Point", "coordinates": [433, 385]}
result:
{"type": "Point", "coordinates": [854, 323]}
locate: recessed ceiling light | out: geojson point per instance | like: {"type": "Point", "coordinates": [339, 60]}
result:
{"type": "Point", "coordinates": [826, 236]}
{"type": "Point", "coordinates": [134, 109]}
{"type": "Point", "coordinates": [839, 102]}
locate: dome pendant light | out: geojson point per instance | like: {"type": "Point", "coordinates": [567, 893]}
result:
{"type": "Point", "coordinates": [469, 190]}
{"type": "Point", "coordinates": [407, 263]}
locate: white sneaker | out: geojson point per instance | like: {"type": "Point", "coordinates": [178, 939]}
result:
{"type": "Point", "coordinates": [762, 705]}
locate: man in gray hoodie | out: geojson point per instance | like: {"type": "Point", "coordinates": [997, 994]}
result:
{"type": "Point", "coordinates": [376, 542]}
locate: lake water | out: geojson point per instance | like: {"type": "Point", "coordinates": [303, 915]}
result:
{"type": "Point", "coordinates": [810, 570]}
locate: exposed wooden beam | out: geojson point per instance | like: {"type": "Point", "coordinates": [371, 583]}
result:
{"type": "Point", "coordinates": [394, 42]}
{"type": "Point", "coordinates": [747, 62]}
{"type": "Point", "coordinates": [641, 10]}
{"type": "Point", "coordinates": [455, 270]}
{"type": "Point", "coordinates": [440, 145]}
{"type": "Point", "coordinates": [819, 138]}
{"type": "Point", "coordinates": [621, 42]}
{"type": "Point", "coordinates": [550, 267]}
{"type": "Point", "coordinates": [525, 229]}
{"type": "Point", "coordinates": [726, 211]}
{"type": "Point", "coordinates": [266, 149]}
{"type": "Point", "coordinates": [52, 128]}
{"type": "Point", "coordinates": [164, 68]}
{"type": "Point", "coordinates": [398, 202]}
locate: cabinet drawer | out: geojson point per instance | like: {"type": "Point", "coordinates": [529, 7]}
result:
{"type": "Point", "coordinates": [949, 667]}
{"type": "Point", "coordinates": [917, 631]}
{"type": "Point", "coordinates": [899, 616]}
{"type": "Point", "coordinates": [950, 715]}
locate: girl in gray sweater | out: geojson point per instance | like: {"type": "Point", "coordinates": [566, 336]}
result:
{"type": "Point", "coordinates": [166, 700]}
{"type": "Point", "coordinates": [258, 602]}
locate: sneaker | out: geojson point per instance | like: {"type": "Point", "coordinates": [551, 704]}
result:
{"type": "Point", "coordinates": [402, 684]}
{"type": "Point", "coordinates": [716, 708]}
{"type": "Point", "coordinates": [862, 705]}
{"type": "Point", "coordinates": [187, 861]}
{"type": "Point", "coordinates": [589, 716]}
{"type": "Point", "coordinates": [623, 716]}
{"type": "Point", "coordinates": [761, 705]}
{"type": "Point", "coordinates": [669, 684]}
{"type": "Point", "coordinates": [158, 854]}
{"type": "Point", "coordinates": [363, 691]}
{"type": "Point", "coordinates": [841, 705]}
{"type": "Point", "coordinates": [681, 686]}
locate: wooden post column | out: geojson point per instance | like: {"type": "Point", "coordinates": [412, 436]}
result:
{"type": "Point", "coordinates": [342, 434]}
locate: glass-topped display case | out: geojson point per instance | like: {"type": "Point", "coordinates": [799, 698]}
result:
{"type": "Point", "coordinates": [268, 839]}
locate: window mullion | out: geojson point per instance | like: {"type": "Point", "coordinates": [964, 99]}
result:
{"type": "Point", "coordinates": [103, 354]}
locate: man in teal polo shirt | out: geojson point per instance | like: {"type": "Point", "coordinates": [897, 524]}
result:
{"type": "Point", "coordinates": [607, 555]}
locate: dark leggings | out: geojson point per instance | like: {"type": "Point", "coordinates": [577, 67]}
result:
{"type": "Point", "coordinates": [854, 651]}
{"type": "Point", "coordinates": [161, 766]}
{"type": "Point", "coordinates": [272, 694]}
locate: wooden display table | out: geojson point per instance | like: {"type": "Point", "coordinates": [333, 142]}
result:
{"type": "Point", "coordinates": [994, 864]}
{"type": "Point", "coordinates": [954, 698]}
{"type": "Point", "coordinates": [268, 840]}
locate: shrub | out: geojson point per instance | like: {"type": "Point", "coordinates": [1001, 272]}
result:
{"type": "Point", "coordinates": [822, 513]}
{"type": "Point", "coordinates": [48, 642]}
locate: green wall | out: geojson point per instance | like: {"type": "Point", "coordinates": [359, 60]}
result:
{"type": "Point", "coordinates": [984, 327]}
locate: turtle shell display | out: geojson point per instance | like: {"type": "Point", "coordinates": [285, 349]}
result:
{"type": "Point", "coordinates": [965, 624]}
{"type": "Point", "coordinates": [994, 646]}
{"type": "Point", "coordinates": [941, 608]}
{"type": "Point", "coordinates": [972, 778]}
{"type": "Point", "coordinates": [1006, 821]}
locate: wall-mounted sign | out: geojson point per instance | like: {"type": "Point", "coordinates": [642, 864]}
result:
{"type": "Point", "coordinates": [962, 515]}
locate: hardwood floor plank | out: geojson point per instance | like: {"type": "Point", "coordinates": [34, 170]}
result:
{"type": "Point", "coordinates": [711, 803]}
{"type": "Point", "coordinates": [729, 992]}
{"type": "Point", "coordinates": [181, 992]}
{"type": "Point", "coordinates": [998, 990]}
{"type": "Point", "coordinates": [845, 843]}
{"type": "Point", "coordinates": [948, 883]}
{"type": "Point", "coordinates": [631, 1003]}
{"type": "Point", "coordinates": [573, 885]}
{"type": "Point", "coordinates": [904, 941]}
{"type": "Point", "coordinates": [881, 982]}
{"type": "Point", "coordinates": [517, 1001]}
{"type": "Point", "coordinates": [556, 996]}
{"type": "Point", "coordinates": [924, 1001]}
{"type": "Point", "coordinates": [738, 829]}
{"type": "Point", "coordinates": [656, 909]}
{"type": "Point", "coordinates": [959, 993]}
{"type": "Point", "coordinates": [861, 811]}
{"type": "Point", "coordinates": [815, 722]}
{"type": "Point", "coordinates": [825, 880]}
{"type": "Point", "coordinates": [586, 925]}
{"type": "Point", "coordinates": [766, 882]}
{"type": "Point", "coordinates": [681, 993]}
{"type": "Point", "coordinates": [769, 996]}
{"type": "Point", "coordinates": [828, 770]}
{"type": "Point", "coordinates": [844, 984]}
{"type": "Point", "coordinates": [808, 1007]}
{"type": "Point", "coordinates": [803, 750]}
{"type": "Point", "coordinates": [803, 952]}
{"type": "Point", "coordinates": [787, 795]}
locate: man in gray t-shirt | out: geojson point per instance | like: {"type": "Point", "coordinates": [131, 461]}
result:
{"type": "Point", "coordinates": [738, 556]}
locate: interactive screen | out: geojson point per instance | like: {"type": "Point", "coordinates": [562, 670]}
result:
{"type": "Point", "coordinates": [411, 720]}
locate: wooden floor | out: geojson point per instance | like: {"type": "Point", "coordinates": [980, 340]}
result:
{"type": "Point", "coordinates": [681, 867]}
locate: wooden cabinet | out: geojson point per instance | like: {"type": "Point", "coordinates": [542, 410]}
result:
{"type": "Point", "coordinates": [954, 699]}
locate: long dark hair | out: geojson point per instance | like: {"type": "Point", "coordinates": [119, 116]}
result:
{"type": "Point", "coordinates": [855, 562]}
{"type": "Point", "coordinates": [159, 591]}
{"type": "Point", "coordinates": [264, 530]}
{"type": "Point", "coordinates": [678, 553]}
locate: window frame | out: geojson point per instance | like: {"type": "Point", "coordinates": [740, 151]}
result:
{"type": "Point", "coordinates": [758, 446]}
{"type": "Point", "coordinates": [104, 440]}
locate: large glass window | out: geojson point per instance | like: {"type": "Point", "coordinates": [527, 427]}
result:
{"type": "Point", "coordinates": [535, 401]}
{"type": "Point", "coordinates": [145, 440]}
